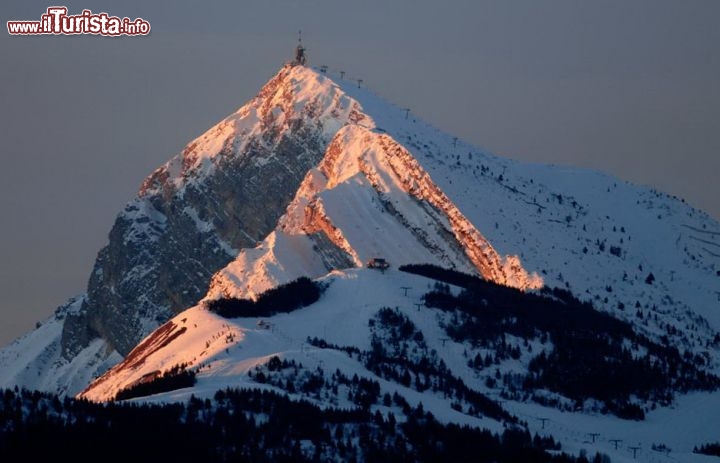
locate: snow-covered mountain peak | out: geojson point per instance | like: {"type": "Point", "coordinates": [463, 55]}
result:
{"type": "Point", "coordinates": [314, 175]}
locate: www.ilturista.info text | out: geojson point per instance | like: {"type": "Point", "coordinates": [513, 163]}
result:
{"type": "Point", "coordinates": [57, 22]}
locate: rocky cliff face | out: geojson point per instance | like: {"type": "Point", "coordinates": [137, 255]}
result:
{"type": "Point", "coordinates": [224, 192]}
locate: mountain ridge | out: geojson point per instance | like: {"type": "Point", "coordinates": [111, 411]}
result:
{"type": "Point", "coordinates": [366, 194]}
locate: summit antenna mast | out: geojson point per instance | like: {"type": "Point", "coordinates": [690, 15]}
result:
{"type": "Point", "coordinates": [300, 51]}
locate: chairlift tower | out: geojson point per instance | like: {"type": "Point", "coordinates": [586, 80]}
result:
{"type": "Point", "coordinates": [634, 451]}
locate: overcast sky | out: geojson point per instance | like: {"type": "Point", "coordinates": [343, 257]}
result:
{"type": "Point", "coordinates": [630, 88]}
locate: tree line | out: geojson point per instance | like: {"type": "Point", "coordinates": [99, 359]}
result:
{"type": "Point", "coordinates": [246, 425]}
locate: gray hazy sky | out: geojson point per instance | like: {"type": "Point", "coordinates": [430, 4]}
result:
{"type": "Point", "coordinates": [627, 87]}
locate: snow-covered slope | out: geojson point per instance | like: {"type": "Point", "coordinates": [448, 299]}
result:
{"type": "Point", "coordinates": [36, 360]}
{"type": "Point", "coordinates": [231, 352]}
{"type": "Point", "coordinates": [224, 350]}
